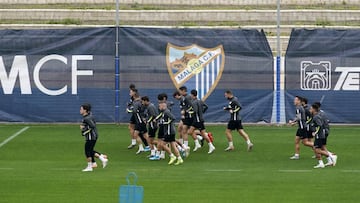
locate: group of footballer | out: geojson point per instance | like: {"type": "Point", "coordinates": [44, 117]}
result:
{"type": "Point", "coordinates": [148, 122]}
{"type": "Point", "coordinates": [313, 131]}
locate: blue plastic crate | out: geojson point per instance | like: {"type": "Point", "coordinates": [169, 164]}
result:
{"type": "Point", "coordinates": [131, 193]}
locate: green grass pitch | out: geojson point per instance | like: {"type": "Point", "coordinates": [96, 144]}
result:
{"type": "Point", "coordinates": [44, 163]}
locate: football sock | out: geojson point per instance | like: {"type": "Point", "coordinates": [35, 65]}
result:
{"type": "Point", "coordinates": [248, 141]}
{"type": "Point", "coordinates": [231, 144]}
{"type": "Point", "coordinates": [181, 141]}
{"type": "Point", "coordinates": [197, 142]}
{"type": "Point", "coordinates": [186, 143]}
{"type": "Point", "coordinates": [133, 141]}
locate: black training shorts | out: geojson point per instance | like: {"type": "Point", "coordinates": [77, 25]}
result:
{"type": "Point", "coordinates": [141, 127]}
{"type": "Point", "coordinates": [318, 143]}
{"type": "Point", "coordinates": [235, 125]}
{"type": "Point", "coordinates": [170, 138]}
{"type": "Point", "coordinates": [302, 133]}
{"type": "Point", "coordinates": [198, 125]}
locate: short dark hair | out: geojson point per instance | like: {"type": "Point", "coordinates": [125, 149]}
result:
{"type": "Point", "coordinates": [183, 88]}
{"type": "Point", "coordinates": [134, 90]}
{"type": "Point", "coordinates": [304, 99]}
{"type": "Point", "coordinates": [162, 96]}
{"type": "Point", "coordinates": [86, 107]}
{"type": "Point", "coordinates": [299, 97]}
{"type": "Point", "coordinates": [145, 98]}
{"type": "Point", "coordinates": [315, 107]}
{"type": "Point", "coordinates": [228, 92]}
{"type": "Point", "coordinates": [318, 104]}
{"type": "Point", "coordinates": [194, 93]}
{"type": "Point", "coordinates": [176, 93]}
{"type": "Point", "coordinates": [132, 86]}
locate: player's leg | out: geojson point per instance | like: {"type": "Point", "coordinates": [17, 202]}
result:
{"type": "Point", "coordinates": [184, 133]}
{"type": "Point", "coordinates": [176, 152]}
{"type": "Point", "coordinates": [179, 130]}
{"type": "Point", "coordinates": [131, 131]}
{"type": "Point", "coordinates": [204, 134]}
{"type": "Point", "coordinates": [329, 160]}
{"type": "Point", "coordinates": [230, 139]}
{"type": "Point", "coordinates": [139, 141]}
{"type": "Point", "coordinates": [103, 158]}
{"type": "Point", "coordinates": [242, 133]}
{"type": "Point", "coordinates": [298, 137]}
{"type": "Point", "coordinates": [194, 136]}
{"type": "Point", "coordinates": [89, 153]}
{"type": "Point", "coordinates": [318, 145]}
{"type": "Point", "coordinates": [168, 140]}
{"type": "Point", "coordinates": [152, 133]}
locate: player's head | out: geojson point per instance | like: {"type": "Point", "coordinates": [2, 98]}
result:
{"type": "Point", "coordinates": [177, 95]}
{"type": "Point", "coordinates": [319, 104]}
{"type": "Point", "coordinates": [85, 109]}
{"type": "Point", "coordinates": [145, 100]}
{"type": "Point", "coordinates": [132, 86]}
{"type": "Point", "coordinates": [162, 105]}
{"type": "Point", "coordinates": [133, 92]}
{"type": "Point", "coordinates": [183, 90]}
{"type": "Point", "coordinates": [228, 94]}
{"type": "Point", "coordinates": [194, 94]}
{"type": "Point", "coordinates": [162, 97]}
{"type": "Point", "coordinates": [314, 109]}
{"type": "Point", "coordinates": [297, 100]}
{"type": "Point", "coordinates": [304, 101]}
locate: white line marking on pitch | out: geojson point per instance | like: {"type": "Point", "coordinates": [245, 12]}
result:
{"type": "Point", "coordinates": [13, 136]}
{"type": "Point", "coordinates": [295, 171]}
{"type": "Point", "coordinates": [223, 170]}
{"type": "Point", "coordinates": [350, 171]}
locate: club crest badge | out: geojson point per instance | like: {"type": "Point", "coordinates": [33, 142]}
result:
{"type": "Point", "coordinates": [315, 76]}
{"type": "Point", "coordinates": [195, 67]}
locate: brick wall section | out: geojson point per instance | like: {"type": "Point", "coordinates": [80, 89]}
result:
{"type": "Point", "coordinates": [268, 16]}
{"type": "Point", "coordinates": [187, 2]}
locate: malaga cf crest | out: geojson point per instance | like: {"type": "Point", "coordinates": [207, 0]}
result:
{"type": "Point", "coordinates": [195, 67]}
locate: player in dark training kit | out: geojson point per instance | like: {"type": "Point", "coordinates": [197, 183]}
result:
{"type": "Point", "coordinates": [235, 123]}
{"type": "Point", "coordinates": [317, 127]}
{"type": "Point", "coordinates": [327, 132]}
{"type": "Point", "coordinates": [198, 108]}
{"type": "Point", "coordinates": [89, 131]}
{"type": "Point", "coordinates": [150, 114]}
{"type": "Point", "coordinates": [168, 121]}
{"type": "Point", "coordinates": [140, 124]}
{"type": "Point", "coordinates": [129, 109]}
{"type": "Point", "coordinates": [301, 134]}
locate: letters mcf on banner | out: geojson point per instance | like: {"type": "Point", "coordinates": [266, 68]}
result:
{"type": "Point", "coordinates": [20, 70]}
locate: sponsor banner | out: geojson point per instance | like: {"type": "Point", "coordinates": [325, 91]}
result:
{"type": "Point", "coordinates": [324, 64]}
{"type": "Point", "coordinates": [208, 60]}
{"type": "Point", "coordinates": [45, 75]}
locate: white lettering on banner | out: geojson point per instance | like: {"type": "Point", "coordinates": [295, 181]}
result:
{"type": "Point", "coordinates": [349, 78]}
{"type": "Point", "coordinates": [20, 69]}
{"type": "Point", "coordinates": [75, 72]}
{"type": "Point", "coordinates": [37, 75]}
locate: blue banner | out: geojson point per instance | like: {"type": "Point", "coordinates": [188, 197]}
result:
{"type": "Point", "coordinates": [45, 75]}
{"type": "Point", "coordinates": [209, 60]}
{"type": "Point", "coordinates": [323, 65]}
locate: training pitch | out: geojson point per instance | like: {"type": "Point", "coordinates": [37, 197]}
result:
{"type": "Point", "coordinates": [43, 163]}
